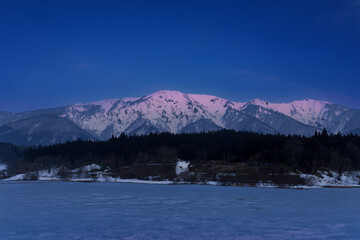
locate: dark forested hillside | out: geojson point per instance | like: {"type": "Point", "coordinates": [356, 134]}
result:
{"type": "Point", "coordinates": [322, 151]}
{"type": "Point", "coordinates": [10, 153]}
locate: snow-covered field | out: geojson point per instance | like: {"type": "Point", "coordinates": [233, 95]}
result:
{"type": "Point", "coordinates": [93, 211]}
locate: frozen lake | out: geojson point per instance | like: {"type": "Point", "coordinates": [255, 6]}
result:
{"type": "Point", "coordinates": [140, 211]}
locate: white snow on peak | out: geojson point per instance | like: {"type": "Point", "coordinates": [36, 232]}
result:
{"type": "Point", "coordinates": [166, 94]}
{"type": "Point", "coordinates": [206, 99]}
{"type": "Point", "coordinates": [106, 104]}
{"type": "Point", "coordinates": [130, 99]}
{"type": "Point", "coordinates": [214, 105]}
{"type": "Point", "coordinates": [307, 111]}
{"type": "Point", "coordinates": [259, 102]}
{"type": "Point", "coordinates": [171, 111]}
{"type": "Point", "coordinates": [166, 110]}
{"type": "Point", "coordinates": [79, 107]}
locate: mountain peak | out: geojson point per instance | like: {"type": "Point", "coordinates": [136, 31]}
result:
{"type": "Point", "coordinates": [309, 101]}
{"type": "Point", "coordinates": [166, 93]}
{"type": "Point", "coordinates": [259, 102]}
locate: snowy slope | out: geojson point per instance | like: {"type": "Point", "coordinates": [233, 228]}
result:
{"type": "Point", "coordinates": [307, 111]}
{"type": "Point", "coordinates": [319, 114]}
{"type": "Point", "coordinates": [216, 106]}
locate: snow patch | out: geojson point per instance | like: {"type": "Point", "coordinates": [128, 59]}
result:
{"type": "Point", "coordinates": [181, 166]}
{"type": "Point", "coordinates": [333, 179]}
{"type": "Point", "coordinates": [48, 175]}
{"type": "Point", "coordinates": [16, 177]}
{"type": "Point", "coordinates": [3, 167]}
{"type": "Point", "coordinates": [91, 167]}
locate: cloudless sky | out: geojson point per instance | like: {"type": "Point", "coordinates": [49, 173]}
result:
{"type": "Point", "coordinates": [55, 53]}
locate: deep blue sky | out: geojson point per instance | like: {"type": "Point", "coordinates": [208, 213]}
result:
{"type": "Point", "coordinates": [59, 53]}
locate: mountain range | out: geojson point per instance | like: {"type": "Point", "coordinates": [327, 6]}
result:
{"type": "Point", "coordinates": [175, 112]}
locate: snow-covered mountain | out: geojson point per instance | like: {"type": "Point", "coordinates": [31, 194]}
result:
{"type": "Point", "coordinates": [176, 112]}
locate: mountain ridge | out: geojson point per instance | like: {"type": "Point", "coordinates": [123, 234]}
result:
{"type": "Point", "coordinates": [177, 112]}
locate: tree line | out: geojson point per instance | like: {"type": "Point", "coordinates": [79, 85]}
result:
{"type": "Point", "coordinates": [306, 154]}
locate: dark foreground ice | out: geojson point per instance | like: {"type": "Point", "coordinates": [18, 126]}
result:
{"type": "Point", "coordinates": [45, 211]}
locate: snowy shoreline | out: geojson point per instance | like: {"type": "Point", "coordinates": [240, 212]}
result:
{"type": "Point", "coordinates": [137, 181]}
{"type": "Point", "coordinates": [209, 183]}
{"type": "Point", "coordinates": [96, 173]}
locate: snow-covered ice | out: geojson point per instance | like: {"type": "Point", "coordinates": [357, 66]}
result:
{"type": "Point", "coordinates": [140, 211]}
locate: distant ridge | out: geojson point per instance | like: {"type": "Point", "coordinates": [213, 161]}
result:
{"type": "Point", "coordinates": [177, 112]}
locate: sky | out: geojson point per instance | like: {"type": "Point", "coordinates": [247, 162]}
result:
{"type": "Point", "coordinates": [56, 53]}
